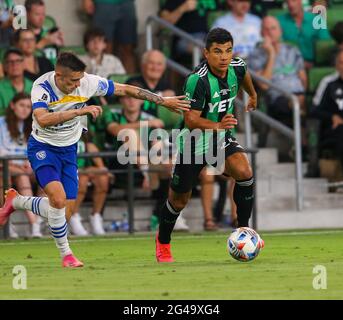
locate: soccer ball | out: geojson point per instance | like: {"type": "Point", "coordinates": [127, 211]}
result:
{"type": "Point", "coordinates": [244, 244]}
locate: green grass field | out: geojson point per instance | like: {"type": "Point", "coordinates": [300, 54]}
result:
{"type": "Point", "coordinates": [124, 267]}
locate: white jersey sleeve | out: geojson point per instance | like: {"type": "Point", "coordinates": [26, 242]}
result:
{"type": "Point", "coordinates": [99, 86]}
{"type": "Point", "coordinates": [39, 97]}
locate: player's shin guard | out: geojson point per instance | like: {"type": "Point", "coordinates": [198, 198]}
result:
{"type": "Point", "coordinates": [59, 229]}
{"type": "Point", "coordinates": [243, 195]}
{"type": "Point", "coordinates": [38, 205]}
{"type": "Point", "coordinates": [167, 222]}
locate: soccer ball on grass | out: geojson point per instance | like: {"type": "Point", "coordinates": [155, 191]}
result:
{"type": "Point", "coordinates": [244, 244]}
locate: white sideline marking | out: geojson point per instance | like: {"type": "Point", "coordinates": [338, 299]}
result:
{"type": "Point", "coordinates": [151, 237]}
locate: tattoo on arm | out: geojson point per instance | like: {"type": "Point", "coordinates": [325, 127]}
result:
{"type": "Point", "coordinates": [147, 95]}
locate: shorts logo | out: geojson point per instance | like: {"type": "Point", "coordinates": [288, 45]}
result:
{"type": "Point", "coordinates": [228, 142]}
{"type": "Point", "coordinates": [176, 179]}
{"type": "Point", "coordinates": [41, 155]}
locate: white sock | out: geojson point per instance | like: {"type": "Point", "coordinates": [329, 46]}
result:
{"type": "Point", "coordinates": [59, 229]}
{"type": "Point", "coordinates": [38, 205]}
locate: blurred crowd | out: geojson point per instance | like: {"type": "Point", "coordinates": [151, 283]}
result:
{"type": "Point", "coordinates": [276, 38]}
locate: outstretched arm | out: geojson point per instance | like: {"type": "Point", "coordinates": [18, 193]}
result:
{"type": "Point", "coordinates": [175, 104]}
{"type": "Point", "coordinates": [248, 87]}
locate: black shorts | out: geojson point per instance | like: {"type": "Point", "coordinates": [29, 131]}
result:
{"type": "Point", "coordinates": [185, 174]}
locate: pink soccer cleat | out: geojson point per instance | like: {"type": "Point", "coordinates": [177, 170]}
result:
{"type": "Point", "coordinates": [70, 261]}
{"type": "Point", "coordinates": [163, 252]}
{"type": "Point", "coordinates": [7, 209]}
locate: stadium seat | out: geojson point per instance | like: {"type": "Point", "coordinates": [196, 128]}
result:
{"type": "Point", "coordinates": [212, 16]}
{"type": "Point", "coordinates": [171, 119]}
{"type": "Point", "coordinates": [121, 78]}
{"type": "Point", "coordinates": [165, 39]}
{"type": "Point", "coordinates": [78, 50]}
{"type": "Point", "coordinates": [323, 52]}
{"type": "Point", "coordinates": [49, 23]}
{"type": "Point", "coordinates": [334, 15]}
{"type": "Point", "coordinates": [315, 75]}
{"type": "Point", "coordinates": [276, 12]}
{"type": "Point", "coordinates": [336, 2]}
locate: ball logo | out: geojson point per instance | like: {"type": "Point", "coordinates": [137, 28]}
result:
{"type": "Point", "coordinates": [41, 155]}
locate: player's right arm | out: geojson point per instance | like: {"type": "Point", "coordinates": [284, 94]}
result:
{"type": "Point", "coordinates": [47, 119]}
{"type": "Point", "coordinates": [195, 92]}
{"type": "Point", "coordinates": [44, 118]}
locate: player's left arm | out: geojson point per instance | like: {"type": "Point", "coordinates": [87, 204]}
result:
{"type": "Point", "coordinates": [248, 87]}
{"type": "Point", "coordinates": [176, 103]}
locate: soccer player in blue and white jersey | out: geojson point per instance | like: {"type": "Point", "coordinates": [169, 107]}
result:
{"type": "Point", "coordinates": [59, 118]}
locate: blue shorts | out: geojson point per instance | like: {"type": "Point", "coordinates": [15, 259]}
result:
{"type": "Point", "coordinates": [51, 163]}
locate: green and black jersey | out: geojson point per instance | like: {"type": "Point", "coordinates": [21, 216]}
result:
{"type": "Point", "coordinates": [213, 96]}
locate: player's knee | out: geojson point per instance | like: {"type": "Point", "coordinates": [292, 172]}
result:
{"type": "Point", "coordinates": [206, 178]}
{"type": "Point", "coordinates": [179, 205]}
{"type": "Point", "coordinates": [180, 202]}
{"type": "Point", "coordinates": [243, 173]}
{"type": "Point", "coordinates": [58, 201]}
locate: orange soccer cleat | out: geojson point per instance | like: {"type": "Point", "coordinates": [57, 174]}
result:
{"type": "Point", "coordinates": [163, 251]}
{"type": "Point", "coordinates": [8, 208]}
{"type": "Point", "coordinates": [70, 261]}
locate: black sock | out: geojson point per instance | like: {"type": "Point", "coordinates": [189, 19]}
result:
{"type": "Point", "coordinates": [167, 222]}
{"type": "Point", "coordinates": [243, 195]}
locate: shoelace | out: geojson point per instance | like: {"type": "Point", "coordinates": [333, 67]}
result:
{"type": "Point", "coordinates": [165, 251]}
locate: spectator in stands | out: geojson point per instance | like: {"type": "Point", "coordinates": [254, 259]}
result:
{"type": "Point", "coordinates": [97, 61]}
{"type": "Point", "coordinates": [34, 67]}
{"type": "Point", "coordinates": [191, 17]}
{"type": "Point", "coordinates": [297, 27]}
{"type": "Point", "coordinates": [15, 129]}
{"type": "Point", "coordinates": [328, 108]}
{"type": "Point", "coordinates": [118, 19]}
{"type": "Point", "coordinates": [127, 122]}
{"type": "Point", "coordinates": [244, 27]}
{"type": "Point", "coordinates": [6, 19]}
{"type": "Point", "coordinates": [153, 67]}
{"type": "Point", "coordinates": [14, 80]}
{"type": "Point", "coordinates": [49, 41]}
{"type": "Point", "coordinates": [283, 65]}
{"type": "Point", "coordinates": [94, 171]}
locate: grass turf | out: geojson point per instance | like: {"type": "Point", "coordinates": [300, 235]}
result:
{"type": "Point", "coordinates": [124, 268]}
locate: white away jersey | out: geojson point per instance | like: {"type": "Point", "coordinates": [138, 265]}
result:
{"type": "Point", "coordinates": [45, 94]}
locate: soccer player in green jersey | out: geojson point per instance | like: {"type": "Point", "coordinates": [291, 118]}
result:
{"type": "Point", "coordinates": [211, 88]}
